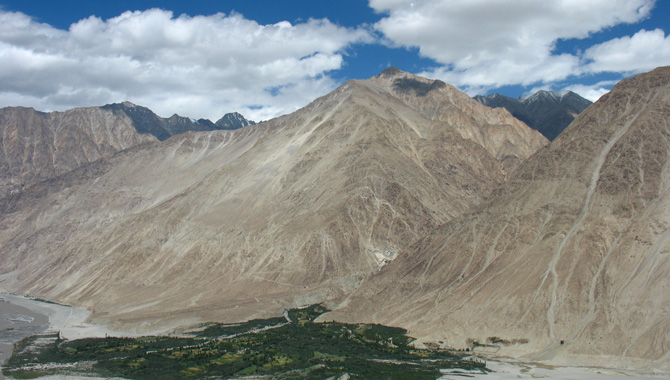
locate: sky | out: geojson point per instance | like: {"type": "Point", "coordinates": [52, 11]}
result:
{"type": "Point", "coordinates": [203, 59]}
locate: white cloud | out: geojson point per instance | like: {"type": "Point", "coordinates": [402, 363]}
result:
{"type": "Point", "coordinates": [592, 92]}
{"type": "Point", "coordinates": [484, 44]}
{"type": "Point", "coordinates": [644, 51]}
{"type": "Point", "coordinates": [199, 66]}
{"type": "Point", "coordinates": [493, 74]}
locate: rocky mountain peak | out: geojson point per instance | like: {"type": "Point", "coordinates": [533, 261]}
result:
{"type": "Point", "coordinates": [403, 82]}
{"type": "Point", "coordinates": [144, 120]}
{"type": "Point", "coordinates": [440, 101]}
{"type": "Point", "coordinates": [37, 146]}
{"type": "Point", "coordinates": [396, 199]}
{"type": "Point", "coordinates": [419, 87]}
{"type": "Point", "coordinates": [302, 208]}
{"type": "Point", "coordinates": [390, 72]}
{"type": "Point", "coordinates": [573, 247]}
{"type": "Point", "coordinates": [548, 112]}
{"type": "Point", "coordinates": [233, 120]}
{"type": "Point", "coordinates": [128, 104]}
{"type": "Point", "coordinates": [544, 95]}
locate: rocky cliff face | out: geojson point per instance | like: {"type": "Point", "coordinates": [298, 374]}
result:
{"type": "Point", "coordinates": [548, 112]}
{"type": "Point", "coordinates": [232, 121]}
{"type": "Point", "coordinates": [495, 130]}
{"type": "Point", "coordinates": [36, 146]}
{"type": "Point", "coordinates": [146, 121]}
{"type": "Point", "coordinates": [568, 261]}
{"type": "Point", "coordinates": [231, 225]}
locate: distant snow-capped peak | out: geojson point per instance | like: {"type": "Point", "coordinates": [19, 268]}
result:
{"type": "Point", "coordinates": [544, 94]}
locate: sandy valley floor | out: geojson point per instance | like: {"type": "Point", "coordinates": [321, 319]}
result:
{"type": "Point", "coordinates": [517, 370]}
{"type": "Point", "coordinates": [21, 316]}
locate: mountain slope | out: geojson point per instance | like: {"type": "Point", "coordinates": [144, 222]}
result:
{"type": "Point", "coordinates": [232, 121]}
{"type": "Point", "coordinates": [36, 146]}
{"type": "Point", "coordinates": [568, 261]}
{"type": "Point", "coordinates": [501, 135]}
{"type": "Point", "coordinates": [230, 225]}
{"type": "Point", "coordinates": [146, 121]}
{"type": "Point", "coordinates": [548, 112]}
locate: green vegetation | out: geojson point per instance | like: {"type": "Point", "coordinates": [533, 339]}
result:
{"type": "Point", "coordinates": [271, 347]}
{"type": "Point", "coordinates": [307, 314]}
{"type": "Point", "coordinates": [218, 330]}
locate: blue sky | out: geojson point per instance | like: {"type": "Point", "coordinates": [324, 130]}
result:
{"type": "Point", "coordinates": [266, 58]}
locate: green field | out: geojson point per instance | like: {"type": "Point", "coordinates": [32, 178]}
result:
{"type": "Point", "coordinates": [272, 347]}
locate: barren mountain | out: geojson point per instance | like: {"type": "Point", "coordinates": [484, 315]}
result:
{"type": "Point", "coordinates": [229, 225]}
{"type": "Point", "coordinates": [569, 260]}
{"type": "Point", "coordinates": [232, 121]}
{"type": "Point", "coordinates": [35, 146]}
{"type": "Point", "coordinates": [548, 112]}
{"type": "Point", "coordinates": [146, 121]}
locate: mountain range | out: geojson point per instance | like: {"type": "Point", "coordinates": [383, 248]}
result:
{"type": "Point", "coordinates": [396, 200]}
{"type": "Point", "coordinates": [36, 146]}
{"type": "Point", "coordinates": [146, 121]}
{"type": "Point", "coordinates": [548, 112]}
{"type": "Point", "coordinates": [228, 225]}
{"type": "Point", "coordinates": [568, 260]}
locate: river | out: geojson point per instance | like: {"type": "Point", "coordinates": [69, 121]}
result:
{"type": "Point", "coordinates": [24, 316]}
{"type": "Point", "coordinates": [16, 323]}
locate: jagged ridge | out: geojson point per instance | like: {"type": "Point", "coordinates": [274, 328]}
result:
{"type": "Point", "coordinates": [569, 260]}
{"type": "Point", "coordinates": [37, 146]}
{"type": "Point", "coordinates": [548, 112]}
{"type": "Point", "coordinates": [231, 225]}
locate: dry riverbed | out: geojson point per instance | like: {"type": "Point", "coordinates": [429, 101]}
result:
{"type": "Point", "coordinates": [16, 323]}
{"type": "Point", "coordinates": [511, 370]}
{"type": "Point", "coordinates": [22, 316]}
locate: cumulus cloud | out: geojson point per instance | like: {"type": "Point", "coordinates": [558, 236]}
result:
{"type": "Point", "coordinates": [644, 51]}
{"type": "Point", "coordinates": [483, 44]}
{"type": "Point", "coordinates": [200, 66]}
{"type": "Point", "coordinates": [592, 92]}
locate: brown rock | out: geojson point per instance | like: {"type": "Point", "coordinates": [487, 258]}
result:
{"type": "Point", "coordinates": [234, 225]}
{"type": "Point", "coordinates": [572, 253]}
{"type": "Point", "coordinates": [35, 146]}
